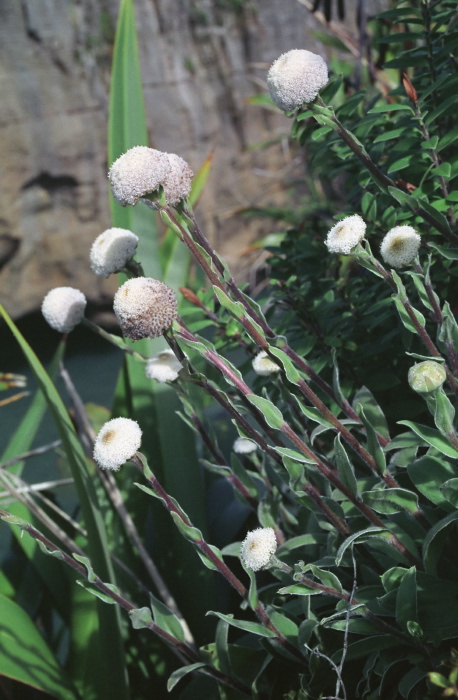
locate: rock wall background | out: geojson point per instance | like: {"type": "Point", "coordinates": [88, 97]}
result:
{"type": "Point", "coordinates": [201, 60]}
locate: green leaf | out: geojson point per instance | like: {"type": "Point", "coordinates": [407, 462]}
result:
{"type": "Point", "coordinates": [271, 413]}
{"type": "Point", "coordinates": [393, 500]}
{"type": "Point", "coordinates": [428, 474]}
{"type": "Point", "coordinates": [372, 410]}
{"type": "Point", "coordinates": [406, 599]}
{"type": "Point", "coordinates": [235, 307]}
{"type": "Point", "coordinates": [327, 578]}
{"type": "Point", "coordinates": [180, 673]}
{"type": "Point", "coordinates": [432, 437]}
{"type": "Point", "coordinates": [165, 619]}
{"type": "Point", "coordinates": [362, 536]}
{"type": "Point", "coordinates": [406, 200]}
{"type": "Point", "coordinates": [291, 372]}
{"type": "Point", "coordinates": [140, 618]}
{"type": "Point", "coordinates": [373, 446]}
{"type": "Point", "coordinates": [25, 656]}
{"type": "Point", "coordinates": [434, 541]}
{"type": "Point", "coordinates": [344, 466]}
{"type": "Point", "coordinates": [299, 589]}
{"type": "Point", "coordinates": [246, 625]}
{"type": "Point", "coordinates": [450, 491]}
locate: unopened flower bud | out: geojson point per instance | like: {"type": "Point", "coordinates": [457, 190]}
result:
{"type": "Point", "coordinates": [163, 367]}
{"type": "Point", "coordinates": [137, 173]}
{"type": "Point", "coordinates": [112, 250]}
{"type": "Point", "coordinates": [145, 308]}
{"type": "Point", "coordinates": [296, 78]}
{"type": "Point", "coordinates": [258, 548]}
{"type": "Point", "coordinates": [346, 234]}
{"type": "Point", "coordinates": [400, 246]}
{"type": "Point", "coordinates": [263, 365]}
{"type": "Point", "coordinates": [63, 308]}
{"type": "Point", "coordinates": [117, 442]}
{"type": "Point", "coordinates": [244, 446]}
{"type": "Point", "coordinates": [427, 376]}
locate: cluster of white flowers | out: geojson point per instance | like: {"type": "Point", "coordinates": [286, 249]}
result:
{"type": "Point", "coordinates": [144, 307]}
{"type": "Point", "coordinates": [112, 250]}
{"type": "Point", "coordinates": [263, 365]}
{"type": "Point", "coordinates": [400, 246]}
{"type": "Point", "coordinates": [244, 446]}
{"type": "Point", "coordinates": [296, 78]}
{"type": "Point", "coordinates": [63, 308]}
{"type": "Point", "coordinates": [163, 367]}
{"type": "Point", "coordinates": [346, 234]}
{"type": "Point", "coordinates": [117, 442]}
{"type": "Point", "coordinates": [258, 548]}
{"type": "Point", "coordinates": [141, 171]}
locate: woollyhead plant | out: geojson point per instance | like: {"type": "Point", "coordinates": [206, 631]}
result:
{"type": "Point", "coordinates": [328, 569]}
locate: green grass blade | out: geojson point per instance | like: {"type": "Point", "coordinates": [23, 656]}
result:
{"type": "Point", "coordinates": [111, 680]}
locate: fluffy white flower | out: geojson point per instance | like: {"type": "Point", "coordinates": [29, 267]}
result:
{"type": "Point", "coordinates": [263, 365]}
{"type": "Point", "coordinates": [400, 246]}
{"type": "Point", "coordinates": [163, 367]}
{"type": "Point", "coordinates": [63, 308]}
{"type": "Point", "coordinates": [296, 78]}
{"type": "Point", "coordinates": [112, 250]}
{"type": "Point", "coordinates": [346, 234]}
{"type": "Point", "coordinates": [258, 548]}
{"type": "Point", "coordinates": [117, 442]}
{"type": "Point", "coordinates": [243, 446]}
{"type": "Point", "coordinates": [177, 183]}
{"type": "Point", "coordinates": [138, 172]}
{"type": "Point", "coordinates": [427, 376]}
{"type": "Point", "coordinates": [144, 307]}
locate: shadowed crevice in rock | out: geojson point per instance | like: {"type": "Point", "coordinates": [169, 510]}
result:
{"type": "Point", "coordinates": [51, 183]}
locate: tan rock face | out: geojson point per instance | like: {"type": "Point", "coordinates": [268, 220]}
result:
{"type": "Point", "coordinates": [200, 63]}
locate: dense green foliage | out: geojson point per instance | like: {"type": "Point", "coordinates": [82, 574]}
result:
{"type": "Point", "coordinates": [353, 473]}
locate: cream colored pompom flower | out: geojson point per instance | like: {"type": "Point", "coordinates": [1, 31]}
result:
{"type": "Point", "coordinates": [296, 78]}
{"type": "Point", "coordinates": [258, 548]}
{"type": "Point", "coordinates": [63, 308]}
{"type": "Point", "coordinates": [145, 308]}
{"type": "Point", "coordinates": [244, 446]}
{"type": "Point", "coordinates": [263, 365]}
{"type": "Point", "coordinates": [177, 183]}
{"type": "Point", "coordinates": [346, 234]}
{"type": "Point", "coordinates": [117, 442]}
{"type": "Point", "coordinates": [112, 250]}
{"type": "Point", "coordinates": [163, 367]}
{"type": "Point", "coordinates": [137, 173]}
{"type": "Point", "coordinates": [400, 246]}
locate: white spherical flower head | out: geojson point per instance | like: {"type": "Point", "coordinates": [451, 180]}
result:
{"type": "Point", "coordinates": [137, 173]}
{"type": "Point", "coordinates": [263, 365]}
{"type": "Point", "coordinates": [177, 183]}
{"type": "Point", "coordinates": [145, 308]}
{"type": "Point", "coordinates": [346, 234]}
{"type": "Point", "coordinates": [117, 442]}
{"type": "Point", "coordinates": [244, 446]}
{"type": "Point", "coordinates": [258, 548]}
{"type": "Point", "coordinates": [63, 308]}
{"type": "Point", "coordinates": [163, 367]}
{"type": "Point", "coordinates": [112, 250]}
{"type": "Point", "coordinates": [296, 78]}
{"type": "Point", "coordinates": [400, 246]}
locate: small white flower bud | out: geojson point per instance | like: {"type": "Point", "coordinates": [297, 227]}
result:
{"type": "Point", "coordinates": [177, 183]}
{"type": "Point", "coordinates": [244, 446]}
{"type": "Point", "coordinates": [117, 442]}
{"type": "Point", "coordinates": [145, 308]}
{"type": "Point", "coordinates": [263, 365]}
{"type": "Point", "coordinates": [400, 246]}
{"type": "Point", "coordinates": [346, 234]}
{"type": "Point", "coordinates": [427, 376]}
{"type": "Point", "coordinates": [137, 173]}
{"type": "Point", "coordinates": [163, 367]}
{"type": "Point", "coordinates": [296, 78]}
{"type": "Point", "coordinates": [63, 308]}
{"type": "Point", "coordinates": [258, 548]}
{"type": "Point", "coordinates": [112, 250]}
